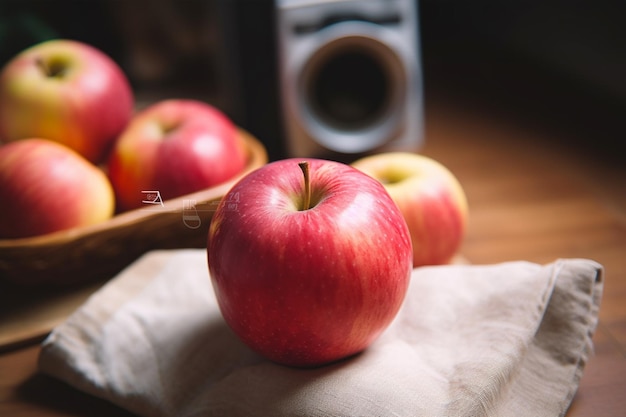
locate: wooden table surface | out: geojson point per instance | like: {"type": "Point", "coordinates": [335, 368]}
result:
{"type": "Point", "coordinates": [532, 196]}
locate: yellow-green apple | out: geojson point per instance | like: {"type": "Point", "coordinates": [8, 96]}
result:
{"type": "Point", "coordinates": [176, 147]}
{"type": "Point", "coordinates": [309, 265]}
{"type": "Point", "coordinates": [46, 187]}
{"type": "Point", "coordinates": [68, 92]}
{"type": "Point", "coordinates": [430, 198]}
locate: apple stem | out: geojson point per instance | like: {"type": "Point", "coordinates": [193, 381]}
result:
{"type": "Point", "coordinates": [49, 70]}
{"type": "Point", "coordinates": [304, 166]}
{"type": "Point", "coordinates": [44, 68]}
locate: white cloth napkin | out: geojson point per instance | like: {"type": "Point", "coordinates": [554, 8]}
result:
{"type": "Point", "coordinates": [499, 340]}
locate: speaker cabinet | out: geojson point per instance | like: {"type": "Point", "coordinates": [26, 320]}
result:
{"type": "Point", "coordinates": [324, 78]}
{"type": "Point", "coordinates": [350, 76]}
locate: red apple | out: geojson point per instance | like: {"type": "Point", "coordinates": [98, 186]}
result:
{"type": "Point", "coordinates": [46, 187]}
{"type": "Point", "coordinates": [308, 283]}
{"type": "Point", "coordinates": [430, 198]}
{"type": "Point", "coordinates": [68, 92]}
{"type": "Point", "coordinates": [175, 147]}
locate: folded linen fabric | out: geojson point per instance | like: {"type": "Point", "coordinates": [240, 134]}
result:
{"type": "Point", "coordinates": [502, 340]}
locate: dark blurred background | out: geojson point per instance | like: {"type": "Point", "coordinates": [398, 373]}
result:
{"type": "Point", "coordinates": [561, 64]}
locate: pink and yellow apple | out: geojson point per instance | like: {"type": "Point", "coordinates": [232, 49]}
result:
{"type": "Point", "coordinates": [310, 260]}
{"type": "Point", "coordinates": [175, 147]}
{"type": "Point", "coordinates": [430, 198]}
{"type": "Point", "coordinates": [46, 187]}
{"type": "Point", "coordinates": [68, 92]}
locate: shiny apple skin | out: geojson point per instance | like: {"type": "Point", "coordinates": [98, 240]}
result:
{"type": "Point", "coordinates": [431, 199]}
{"type": "Point", "coordinates": [46, 187]}
{"type": "Point", "coordinates": [176, 147]}
{"type": "Point", "coordinates": [309, 287]}
{"type": "Point", "coordinates": [85, 108]}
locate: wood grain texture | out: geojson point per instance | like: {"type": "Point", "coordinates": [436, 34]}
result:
{"type": "Point", "coordinates": [532, 197]}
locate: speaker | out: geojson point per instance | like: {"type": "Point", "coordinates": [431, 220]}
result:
{"type": "Point", "coordinates": [325, 78]}
{"type": "Point", "coordinates": [350, 76]}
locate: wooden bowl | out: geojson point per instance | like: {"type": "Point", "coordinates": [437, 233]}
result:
{"type": "Point", "coordinates": [98, 252]}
